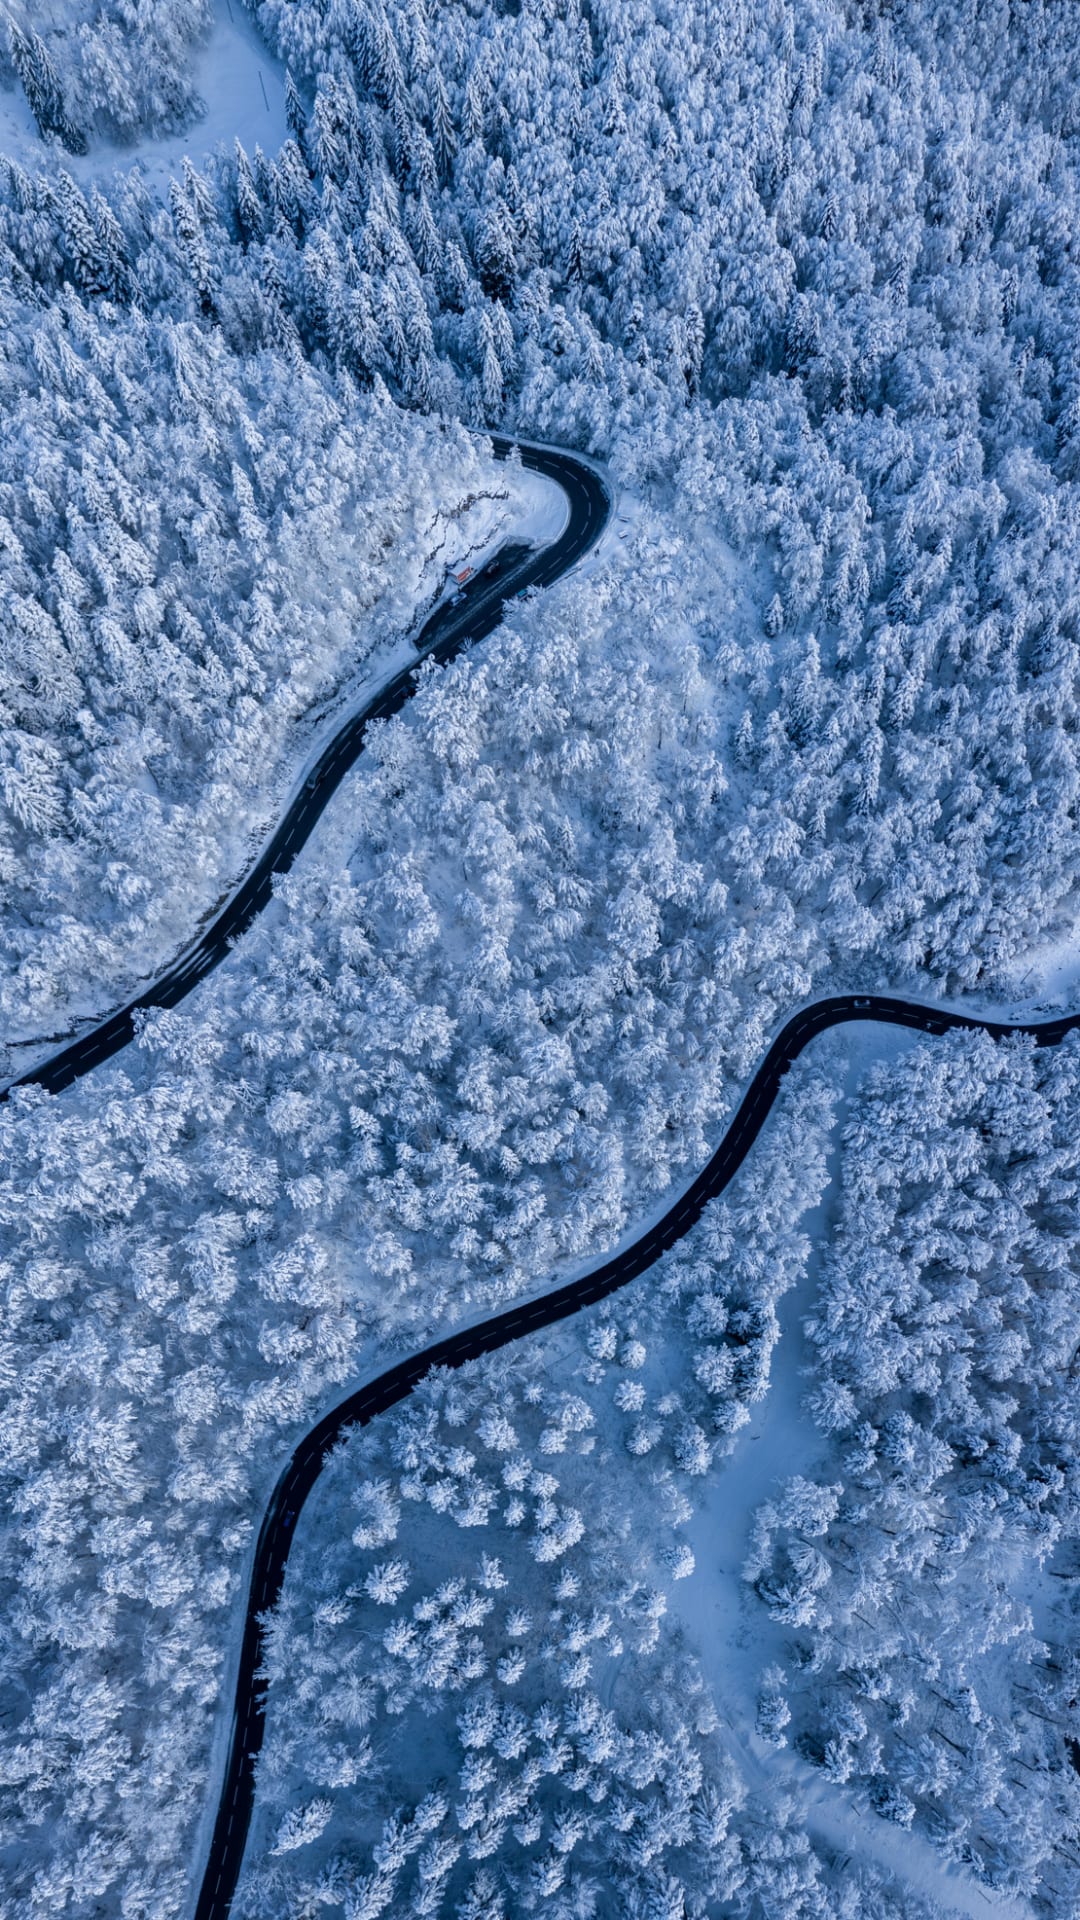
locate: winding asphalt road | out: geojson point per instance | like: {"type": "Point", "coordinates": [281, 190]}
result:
{"type": "Point", "coordinates": [384, 1392]}
{"type": "Point", "coordinates": [449, 630]}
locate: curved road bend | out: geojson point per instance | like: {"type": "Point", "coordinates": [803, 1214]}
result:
{"type": "Point", "coordinates": [446, 633]}
{"type": "Point", "coordinates": [305, 1465]}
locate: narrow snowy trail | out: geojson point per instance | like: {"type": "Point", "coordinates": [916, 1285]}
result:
{"type": "Point", "coordinates": [734, 1637]}
{"type": "Point", "coordinates": [449, 631]}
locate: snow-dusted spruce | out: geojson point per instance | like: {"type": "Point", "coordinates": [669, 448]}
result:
{"type": "Point", "coordinates": [927, 1573]}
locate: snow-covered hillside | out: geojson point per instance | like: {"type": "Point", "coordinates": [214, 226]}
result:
{"type": "Point", "coordinates": [804, 276]}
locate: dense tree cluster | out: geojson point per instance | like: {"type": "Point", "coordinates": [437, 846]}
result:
{"type": "Point", "coordinates": [502, 1002]}
{"type": "Point", "coordinates": [168, 1327]}
{"type": "Point", "coordinates": [144, 1403]}
{"type": "Point", "coordinates": [817, 269]}
{"type": "Point", "coordinates": [687, 1358]}
{"type": "Point", "coordinates": [928, 1578]}
{"type": "Point", "coordinates": [500, 1724]}
{"type": "Point", "coordinates": [498, 1656]}
{"type": "Point", "coordinates": [809, 271]}
{"type": "Point", "coordinates": [114, 69]}
{"type": "Point", "coordinates": [178, 1296]}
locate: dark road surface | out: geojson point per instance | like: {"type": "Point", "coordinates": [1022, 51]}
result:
{"type": "Point", "coordinates": [302, 1471]}
{"type": "Point", "coordinates": [449, 630]}
{"type": "Point", "coordinates": [446, 634]}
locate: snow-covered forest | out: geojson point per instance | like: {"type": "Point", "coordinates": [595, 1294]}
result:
{"type": "Point", "coordinates": [926, 1573]}
{"type": "Point", "coordinates": [485, 1733]}
{"type": "Point", "coordinates": [153, 1387]}
{"type": "Point", "coordinates": [832, 321]}
{"type": "Point", "coordinates": [499, 1661]}
{"type": "Point", "coordinates": [512, 1720]}
{"type": "Point", "coordinates": [195, 560]}
{"type": "Point", "coordinates": [803, 276]}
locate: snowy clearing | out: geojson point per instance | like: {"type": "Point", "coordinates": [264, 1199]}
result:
{"type": "Point", "coordinates": [242, 86]}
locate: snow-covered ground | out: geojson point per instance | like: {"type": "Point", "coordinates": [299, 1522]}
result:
{"type": "Point", "coordinates": [241, 83]}
{"type": "Point", "coordinates": [1050, 975]}
{"type": "Point", "coordinates": [544, 511]}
